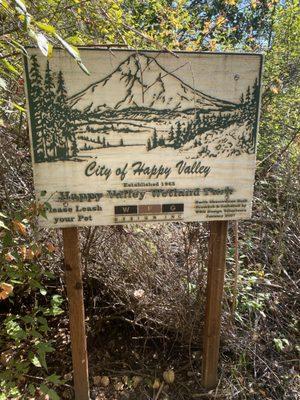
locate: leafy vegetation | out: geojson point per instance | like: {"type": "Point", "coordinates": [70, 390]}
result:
{"type": "Point", "coordinates": [25, 336]}
{"type": "Point", "coordinates": [145, 286]}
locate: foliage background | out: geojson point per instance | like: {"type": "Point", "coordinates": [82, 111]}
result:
{"type": "Point", "coordinates": [149, 296]}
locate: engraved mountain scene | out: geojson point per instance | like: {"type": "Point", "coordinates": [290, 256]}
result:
{"type": "Point", "coordinates": [141, 82]}
{"type": "Point", "coordinates": [142, 106]}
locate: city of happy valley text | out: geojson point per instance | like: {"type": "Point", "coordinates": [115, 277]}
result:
{"type": "Point", "coordinates": [140, 169]}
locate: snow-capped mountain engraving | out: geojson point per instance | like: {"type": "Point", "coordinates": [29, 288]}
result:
{"type": "Point", "coordinates": [141, 106]}
{"type": "Point", "coordinates": [142, 82]}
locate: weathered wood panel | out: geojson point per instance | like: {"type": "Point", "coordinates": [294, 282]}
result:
{"type": "Point", "coordinates": [146, 137]}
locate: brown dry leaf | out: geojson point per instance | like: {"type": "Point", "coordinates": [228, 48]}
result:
{"type": "Point", "coordinates": [67, 394]}
{"type": "Point", "coordinates": [156, 384]}
{"type": "Point", "coordinates": [274, 89]}
{"type": "Point", "coordinates": [119, 386]}
{"type": "Point", "coordinates": [5, 290]}
{"type": "Point", "coordinates": [206, 27]}
{"type": "Point", "coordinates": [104, 382]}
{"type": "Point", "coordinates": [220, 20]}
{"type": "Point", "coordinates": [139, 293]}
{"type": "Point", "coordinates": [213, 44]}
{"type": "Point", "coordinates": [9, 257]}
{"type": "Point", "coordinates": [97, 380]}
{"type": "Point", "coordinates": [136, 380]}
{"type": "Point", "coordinates": [37, 252]}
{"type": "Point", "coordinates": [6, 356]}
{"type": "Point", "coordinates": [19, 227]}
{"type": "Point", "coordinates": [169, 376]}
{"type": "Point", "coordinates": [29, 254]}
{"type": "Point", "coordinates": [23, 252]}
{"type": "Point", "coordinates": [263, 392]}
{"type": "Point", "coordinates": [50, 246]}
{"type": "Point", "coordinates": [68, 377]}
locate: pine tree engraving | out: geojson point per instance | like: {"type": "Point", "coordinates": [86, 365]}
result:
{"type": "Point", "coordinates": [53, 131]}
{"type": "Point", "coordinates": [49, 132]}
{"type": "Point", "coordinates": [36, 95]}
{"type": "Point", "coordinates": [67, 146]}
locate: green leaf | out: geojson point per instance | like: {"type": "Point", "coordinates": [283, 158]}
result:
{"type": "Point", "coordinates": [27, 21]}
{"type": "Point", "coordinates": [73, 51]}
{"type": "Point", "coordinates": [54, 379]}
{"type": "Point", "coordinates": [83, 67]}
{"type": "Point", "coordinates": [31, 389]}
{"type": "Point", "coordinates": [43, 322]}
{"type": "Point", "coordinates": [32, 34]}
{"type": "Point", "coordinates": [45, 27]}
{"type": "Point", "coordinates": [3, 83]}
{"type": "Point", "coordinates": [28, 319]}
{"type": "Point", "coordinates": [21, 5]}
{"type": "Point", "coordinates": [50, 392]}
{"type": "Point", "coordinates": [19, 46]}
{"type": "Point", "coordinates": [9, 66]}
{"type": "Point", "coordinates": [286, 341]}
{"type": "Point", "coordinates": [44, 388]}
{"type": "Point", "coordinates": [4, 3]}
{"type": "Point", "coordinates": [18, 107]}
{"type": "Point", "coordinates": [50, 50]}
{"type": "Point", "coordinates": [278, 344]}
{"type": "Point", "coordinates": [14, 330]}
{"type": "Point", "coordinates": [42, 349]}
{"type": "Point", "coordinates": [35, 334]}
{"type": "Point", "coordinates": [70, 49]}
{"type": "Point", "coordinates": [43, 44]}
{"type": "Point", "coordinates": [35, 361]}
{"type": "Point", "coordinates": [3, 226]}
{"type": "Point", "coordinates": [53, 395]}
{"type": "Point", "coordinates": [56, 302]}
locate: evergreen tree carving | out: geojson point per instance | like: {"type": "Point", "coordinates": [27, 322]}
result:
{"type": "Point", "coordinates": [149, 147]}
{"type": "Point", "coordinates": [161, 141]}
{"type": "Point", "coordinates": [36, 95]}
{"type": "Point", "coordinates": [49, 132]}
{"type": "Point", "coordinates": [66, 142]}
{"type": "Point", "coordinates": [178, 133]}
{"type": "Point", "coordinates": [171, 134]}
{"type": "Point", "coordinates": [53, 132]}
{"type": "Point", "coordinates": [154, 139]}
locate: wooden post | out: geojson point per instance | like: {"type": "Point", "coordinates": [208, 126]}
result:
{"type": "Point", "coordinates": [76, 312]}
{"type": "Point", "coordinates": [215, 283]}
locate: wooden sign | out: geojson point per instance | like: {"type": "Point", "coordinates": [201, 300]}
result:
{"type": "Point", "coordinates": [147, 137]}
